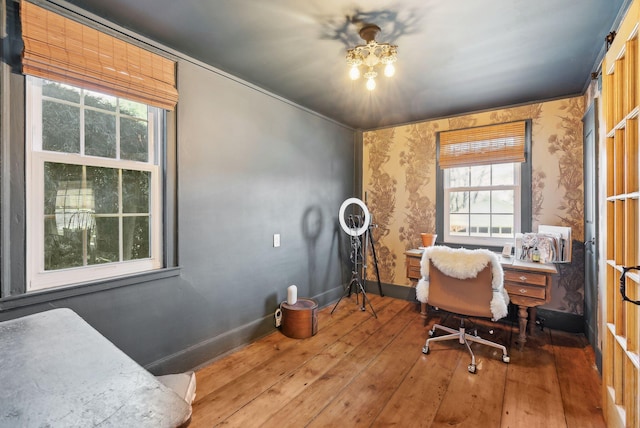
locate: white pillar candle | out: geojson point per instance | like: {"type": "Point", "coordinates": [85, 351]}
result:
{"type": "Point", "coordinates": [292, 295]}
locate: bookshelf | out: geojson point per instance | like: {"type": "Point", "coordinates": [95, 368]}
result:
{"type": "Point", "coordinates": [620, 330]}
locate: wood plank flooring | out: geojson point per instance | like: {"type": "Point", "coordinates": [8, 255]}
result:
{"type": "Point", "coordinates": [363, 371]}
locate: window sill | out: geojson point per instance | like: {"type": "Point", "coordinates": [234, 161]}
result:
{"type": "Point", "coordinates": [494, 248]}
{"type": "Point", "coordinates": [44, 296]}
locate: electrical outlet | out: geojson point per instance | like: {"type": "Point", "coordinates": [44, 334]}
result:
{"type": "Point", "coordinates": [276, 240]}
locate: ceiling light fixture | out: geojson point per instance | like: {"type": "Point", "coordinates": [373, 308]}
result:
{"type": "Point", "coordinates": [370, 55]}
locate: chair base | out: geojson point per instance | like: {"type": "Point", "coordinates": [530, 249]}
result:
{"type": "Point", "coordinates": [463, 337]}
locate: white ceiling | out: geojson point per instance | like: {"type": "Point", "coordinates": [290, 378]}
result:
{"type": "Point", "coordinates": [454, 56]}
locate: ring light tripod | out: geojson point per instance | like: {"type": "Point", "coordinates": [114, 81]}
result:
{"type": "Point", "coordinates": [355, 226]}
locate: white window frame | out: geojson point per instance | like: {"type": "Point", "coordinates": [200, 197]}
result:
{"type": "Point", "coordinates": [479, 240]}
{"type": "Point", "coordinates": [37, 277]}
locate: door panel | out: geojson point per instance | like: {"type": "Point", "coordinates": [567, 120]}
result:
{"type": "Point", "coordinates": [590, 225]}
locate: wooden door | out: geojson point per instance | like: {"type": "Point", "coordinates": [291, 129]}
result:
{"type": "Point", "coordinates": [619, 327]}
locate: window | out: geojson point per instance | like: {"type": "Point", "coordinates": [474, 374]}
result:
{"type": "Point", "coordinates": [482, 202]}
{"type": "Point", "coordinates": [484, 184]}
{"type": "Point", "coordinates": [95, 109]}
{"type": "Point", "coordinates": [94, 185]}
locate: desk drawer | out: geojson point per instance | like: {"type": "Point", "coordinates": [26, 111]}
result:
{"type": "Point", "coordinates": [525, 290]}
{"type": "Point", "coordinates": [413, 262]}
{"type": "Point", "coordinates": [413, 272]}
{"type": "Point", "coordinates": [413, 268]}
{"type": "Point", "coordinates": [525, 277]}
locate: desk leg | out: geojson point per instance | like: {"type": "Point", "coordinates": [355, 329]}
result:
{"type": "Point", "coordinates": [423, 312]}
{"type": "Point", "coordinates": [522, 320]}
{"type": "Point", "coordinates": [533, 313]}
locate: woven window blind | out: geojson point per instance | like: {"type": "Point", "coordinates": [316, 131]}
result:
{"type": "Point", "coordinates": [483, 145]}
{"type": "Point", "coordinates": [60, 49]}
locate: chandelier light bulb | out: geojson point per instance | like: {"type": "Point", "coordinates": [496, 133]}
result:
{"type": "Point", "coordinates": [354, 73]}
{"type": "Point", "coordinates": [389, 70]}
{"type": "Point", "coordinates": [371, 55]}
{"type": "Point", "coordinates": [371, 84]}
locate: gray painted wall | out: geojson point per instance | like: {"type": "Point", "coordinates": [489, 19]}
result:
{"type": "Point", "coordinates": [249, 165]}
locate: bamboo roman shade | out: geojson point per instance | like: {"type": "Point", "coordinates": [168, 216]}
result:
{"type": "Point", "coordinates": [483, 145]}
{"type": "Point", "coordinates": [63, 50]}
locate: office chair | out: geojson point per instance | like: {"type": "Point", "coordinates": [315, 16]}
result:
{"type": "Point", "coordinates": [465, 282]}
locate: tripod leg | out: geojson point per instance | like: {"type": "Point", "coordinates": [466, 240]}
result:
{"type": "Point", "coordinates": [365, 299]}
{"type": "Point", "coordinates": [364, 266]}
{"type": "Point", "coordinates": [337, 303]}
{"type": "Point", "coordinates": [347, 290]}
{"type": "Point", "coordinates": [375, 263]}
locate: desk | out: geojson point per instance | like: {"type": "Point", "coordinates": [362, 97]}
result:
{"type": "Point", "coordinates": [528, 285]}
{"type": "Point", "coordinates": [56, 370]}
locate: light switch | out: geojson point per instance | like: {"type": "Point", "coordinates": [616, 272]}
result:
{"type": "Point", "coordinates": [276, 240]}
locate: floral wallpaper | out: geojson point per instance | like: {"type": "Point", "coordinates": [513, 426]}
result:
{"type": "Point", "coordinates": [399, 166]}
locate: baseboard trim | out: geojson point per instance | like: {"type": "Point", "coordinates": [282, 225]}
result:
{"type": "Point", "coordinates": [205, 352]}
{"type": "Point", "coordinates": [391, 290]}
{"type": "Point", "coordinates": [564, 321]}
{"type": "Point", "coordinates": [556, 320]}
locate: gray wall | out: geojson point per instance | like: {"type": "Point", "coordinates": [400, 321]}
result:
{"type": "Point", "coordinates": [251, 165]}
{"type": "Point", "coordinates": [248, 165]}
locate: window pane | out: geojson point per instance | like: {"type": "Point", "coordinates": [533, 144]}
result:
{"type": "Point", "coordinates": [459, 224]}
{"type": "Point", "coordinates": [133, 108]}
{"type": "Point", "coordinates": [480, 225]}
{"type": "Point", "coordinates": [60, 127]}
{"type": "Point", "coordinates": [502, 201]}
{"type": "Point", "coordinates": [503, 174]}
{"type": "Point", "coordinates": [68, 216]}
{"type": "Point", "coordinates": [60, 91]}
{"type": "Point", "coordinates": [502, 226]}
{"type": "Point", "coordinates": [107, 238]}
{"type": "Point", "coordinates": [104, 183]}
{"type": "Point", "coordinates": [65, 250]}
{"type": "Point", "coordinates": [57, 176]}
{"type": "Point", "coordinates": [458, 177]}
{"type": "Point", "coordinates": [480, 175]}
{"type": "Point", "coordinates": [134, 140]}
{"type": "Point", "coordinates": [136, 238]}
{"type": "Point", "coordinates": [101, 101]}
{"type": "Point", "coordinates": [135, 191]}
{"type": "Point", "coordinates": [481, 202]}
{"type": "Point", "coordinates": [459, 202]}
{"type": "Point", "coordinates": [100, 134]}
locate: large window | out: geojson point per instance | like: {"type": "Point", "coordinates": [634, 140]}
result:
{"type": "Point", "coordinates": [484, 184]}
{"type": "Point", "coordinates": [94, 195]}
{"type": "Point", "coordinates": [482, 202]}
{"type": "Point", "coordinates": [94, 129]}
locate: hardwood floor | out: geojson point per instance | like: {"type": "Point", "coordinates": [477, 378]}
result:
{"type": "Point", "coordinates": [362, 371]}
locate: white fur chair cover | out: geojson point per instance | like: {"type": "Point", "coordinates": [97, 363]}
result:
{"type": "Point", "coordinates": [462, 264]}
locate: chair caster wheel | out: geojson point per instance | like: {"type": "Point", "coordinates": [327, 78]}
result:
{"type": "Point", "coordinates": [431, 333]}
{"type": "Point", "coordinates": [425, 349]}
{"type": "Point", "coordinates": [471, 368]}
{"type": "Point", "coordinates": [363, 309]}
{"type": "Point", "coordinates": [505, 359]}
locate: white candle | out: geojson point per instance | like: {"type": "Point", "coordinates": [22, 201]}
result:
{"type": "Point", "coordinates": [292, 295]}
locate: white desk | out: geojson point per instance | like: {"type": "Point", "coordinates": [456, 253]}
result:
{"type": "Point", "coordinates": [56, 370]}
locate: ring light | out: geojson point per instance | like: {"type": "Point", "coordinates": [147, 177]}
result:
{"type": "Point", "coordinates": [367, 217]}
